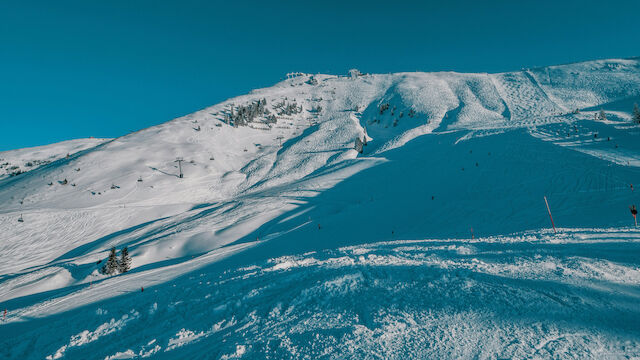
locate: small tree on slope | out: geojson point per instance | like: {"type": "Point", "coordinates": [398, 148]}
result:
{"type": "Point", "coordinates": [111, 266]}
{"type": "Point", "coordinates": [636, 114]}
{"type": "Point", "coordinates": [125, 261]}
{"type": "Point", "coordinates": [602, 115]}
{"type": "Point", "coordinates": [358, 145]}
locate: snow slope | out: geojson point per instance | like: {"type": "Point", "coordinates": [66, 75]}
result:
{"type": "Point", "coordinates": [15, 162]}
{"type": "Point", "coordinates": [268, 244]}
{"type": "Point", "coordinates": [533, 295]}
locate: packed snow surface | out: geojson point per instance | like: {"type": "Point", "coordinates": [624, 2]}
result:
{"type": "Point", "coordinates": [15, 162]}
{"type": "Point", "coordinates": [282, 241]}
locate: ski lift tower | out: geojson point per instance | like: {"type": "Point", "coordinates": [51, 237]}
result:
{"type": "Point", "coordinates": [179, 161]}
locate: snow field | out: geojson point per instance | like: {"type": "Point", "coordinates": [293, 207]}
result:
{"type": "Point", "coordinates": [281, 241]}
{"type": "Point", "coordinates": [528, 295]}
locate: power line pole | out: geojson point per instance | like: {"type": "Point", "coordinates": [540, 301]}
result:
{"type": "Point", "coordinates": [179, 161]}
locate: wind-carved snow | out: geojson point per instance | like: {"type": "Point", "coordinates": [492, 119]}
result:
{"type": "Point", "coordinates": [281, 240]}
{"type": "Point", "coordinates": [183, 337]}
{"type": "Point", "coordinates": [506, 296]}
{"type": "Point", "coordinates": [87, 336]}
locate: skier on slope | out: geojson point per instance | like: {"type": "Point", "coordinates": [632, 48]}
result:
{"type": "Point", "coordinates": [634, 212]}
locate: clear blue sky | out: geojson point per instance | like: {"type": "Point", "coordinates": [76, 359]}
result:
{"type": "Point", "coordinates": [71, 69]}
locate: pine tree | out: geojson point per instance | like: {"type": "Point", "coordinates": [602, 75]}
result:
{"type": "Point", "coordinates": [358, 145]}
{"type": "Point", "coordinates": [125, 261]}
{"type": "Point", "coordinates": [602, 115]}
{"type": "Point", "coordinates": [636, 113]}
{"type": "Point", "coordinates": [111, 266]}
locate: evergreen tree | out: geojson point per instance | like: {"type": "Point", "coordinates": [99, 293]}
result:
{"type": "Point", "coordinates": [602, 115]}
{"type": "Point", "coordinates": [111, 266]}
{"type": "Point", "coordinates": [636, 113]}
{"type": "Point", "coordinates": [125, 261]}
{"type": "Point", "coordinates": [358, 145]}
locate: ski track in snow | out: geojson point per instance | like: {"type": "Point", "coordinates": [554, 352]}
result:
{"type": "Point", "coordinates": [534, 294]}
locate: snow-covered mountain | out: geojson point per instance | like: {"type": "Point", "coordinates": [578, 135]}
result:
{"type": "Point", "coordinates": [16, 162]}
{"type": "Point", "coordinates": [282, 241]}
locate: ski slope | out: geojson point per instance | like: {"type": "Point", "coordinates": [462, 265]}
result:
{"type": "Point", "coordinates": [281, 241]}
{"type": "Point", "coordinates": [15, 162]}
{"type": "Point", "coordinates": [533, 295]}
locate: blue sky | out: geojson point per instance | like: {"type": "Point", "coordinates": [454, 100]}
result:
{"type": "Point", "coordinates": [71, 69]}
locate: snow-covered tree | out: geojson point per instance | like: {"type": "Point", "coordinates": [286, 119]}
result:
{"type": "Point", "coordinates": [316, 109]}
{"type": "Point", "coordinates": [636, 114]}
{"type": "Point", "coordinates": [125, 261]}
{"type": "Point", "coordinates": [602, 115]}
{"type": "Point", "coordinates": [111, 266]}
{"type": "Point", "coordinates": [284, 108]}
{"type": "Point", "coordinates": [358, 145]}
{"type": "Point", "coordinates": [271, 119]}
{"type": "Point", "coordinates": [242, 115]}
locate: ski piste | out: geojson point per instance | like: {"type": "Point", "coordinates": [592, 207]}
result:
{"type": "Point", "coordinates": [256, 230]}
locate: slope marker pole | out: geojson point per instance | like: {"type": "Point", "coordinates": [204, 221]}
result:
{"type": "Point", "coordinates": [550, 217]}
{"type": "Point", "coordinates": [179, 161]}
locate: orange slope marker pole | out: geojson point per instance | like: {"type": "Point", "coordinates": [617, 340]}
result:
{"type": "Point", "coordinates": [550, 217]}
